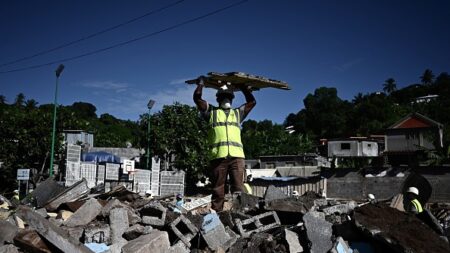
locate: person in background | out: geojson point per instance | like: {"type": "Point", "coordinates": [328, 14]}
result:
{"type": "Point", "coordinates": [15, 200]}
{"type": "Point", "coordinates": [224, 138]}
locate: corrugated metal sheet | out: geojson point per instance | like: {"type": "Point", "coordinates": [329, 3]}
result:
{"type": "Point", "coordinates": [301, 186]}
{"type": "Point", "coordinates": [298, 171]}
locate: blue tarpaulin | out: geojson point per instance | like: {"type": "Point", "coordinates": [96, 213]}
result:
{"type": "Point", "coordinates": [100, 157]}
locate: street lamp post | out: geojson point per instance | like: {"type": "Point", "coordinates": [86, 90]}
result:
{"type": "Point", "coordinates": [58, 72]}
{"type": "Point", "coordinates": [149, 106]}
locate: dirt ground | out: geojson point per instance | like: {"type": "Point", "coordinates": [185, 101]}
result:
{"type": "Point", "coordinates": [406, 231]}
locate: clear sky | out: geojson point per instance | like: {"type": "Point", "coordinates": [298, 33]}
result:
{"type": "Point", "coordinates": [351, 45]}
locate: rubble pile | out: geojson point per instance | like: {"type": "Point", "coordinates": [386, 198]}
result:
{"type": "Point", "coordinates": [79, 219]}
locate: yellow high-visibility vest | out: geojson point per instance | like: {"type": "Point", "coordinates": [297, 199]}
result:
{"type": "Point", "coordinates": [225, 134]}
{"type": "Point", "coordinates": [417, 205]}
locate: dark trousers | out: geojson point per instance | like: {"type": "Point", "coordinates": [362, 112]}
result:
{"type": "Point", "coordinates": [220, 169]}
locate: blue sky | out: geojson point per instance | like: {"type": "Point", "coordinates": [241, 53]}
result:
{"type": "Point", "coordinates": [351, 45]}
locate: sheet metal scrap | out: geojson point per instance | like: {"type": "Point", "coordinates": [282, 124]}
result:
{"type": "Point", "coordinates": [237, 79]}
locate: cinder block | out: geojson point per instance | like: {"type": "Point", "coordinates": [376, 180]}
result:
{"type": "Point", "coordinates": [118, 220]}
{"type": "Point", "coordinates": [155, 242]}
{"type": "Point", "coordinates": [97, 233]}
{"type": "Point", "coordinates": [134, 232]}
{"type": "Point", "coordinates": [319, 231]}
{"type": "Point", "coordinates": [153, 214]}
{"type": "Point", "coordinates": [257, 223]}
{"type": "Point", "coordinates": [184, 229]}
{"type": "Point", "coordinates": [85, 214]}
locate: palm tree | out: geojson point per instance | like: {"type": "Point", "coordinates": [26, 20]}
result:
{"type": "Point", "coordinates": [389, 85]}
{"type": "Point", "coordinates": [20, 100]}
{"type": "Point", "coordinates": [31, 103]}
{"type": "Point", "coordinates": [427, 77]}
{"type": "Point", "coordinates": [2, 100]}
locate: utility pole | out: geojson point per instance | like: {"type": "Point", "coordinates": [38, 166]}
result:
{"type": "Point", "coordinates": [58, 72]}
{"type": "Point", "coordinates": [149, 106]}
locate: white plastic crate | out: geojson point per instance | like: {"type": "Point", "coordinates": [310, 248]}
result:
{"type": "Point", "coordinates": [166, 189]}
{"type": "Point", "coordinates": [156, 164]}
{"type": "Point", "coordinates": [89, 172]}
{"type": "Point", "coordinates": [101, 174]}
{"type": "Point", "coordinates": [112, 171]}
{"type": "Point", "coordinates": [142, 176]}
{"type": "Point", "coordinates": [73, 171]}
{"type": "Point", "coordinates": [172, 177]}
{"type": "Point", "coordinates": [140, 187]}
{"type": "Point", "coordinates": [73, 153]}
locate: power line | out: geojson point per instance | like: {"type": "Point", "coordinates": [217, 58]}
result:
{"type": "Point", "coordinates": [128, 41]}
{"type": "Point", "coordinates": [91, 35]}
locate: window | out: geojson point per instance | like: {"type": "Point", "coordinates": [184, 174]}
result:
{"type": "Point", "coordinates": [345, 146]}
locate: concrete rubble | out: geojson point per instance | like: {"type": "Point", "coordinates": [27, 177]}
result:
{"type": "Point", "coordinates": [121, 221]}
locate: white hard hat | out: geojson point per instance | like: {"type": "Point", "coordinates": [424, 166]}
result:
{"type": "Point", "coordinates": [294, 193]}
{"type": "Point", "coordinates": [371, 196]}
{"type": "Point", "coordinates": [413, 190]}
{"type": "Point", "coordinates": [148, 192]}
{"type": "Point", "coordinates": [16, 191]}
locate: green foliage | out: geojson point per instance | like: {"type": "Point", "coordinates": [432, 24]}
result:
{"type": "Point", "coordinates": [179, 136]}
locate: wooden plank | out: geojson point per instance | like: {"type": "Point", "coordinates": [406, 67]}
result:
{"type": "Point", "coordinates": [234, 80]}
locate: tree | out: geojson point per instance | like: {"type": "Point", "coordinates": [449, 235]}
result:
{"type": "Point", "coordinates": [179, 136]}
{"type": "Point", "coordinates": [31, 104]}
{"type": "Point", "coordinates": [20, 100]}
{"type": "Point", "coordinates": [427, 77]}
{"type": "Point", "coordinates": [85, 110]}
{"type": "Point", "coordinates": [2, 100]}
{"type": "Point", "coordinates": [389, 86]}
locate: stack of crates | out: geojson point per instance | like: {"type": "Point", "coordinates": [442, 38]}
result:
{"type": "Point", "coordinates": [172, 182]}
{"type": "Point", "coordinates": [154, 183]}
{"type": "Point", "coordinates": [111, 174]}
{"type": "Point", "coordinates": [101, 174]}
{"type": "Point", "coordinates": [73, 164]}
{"type": "Point", "coordinates": [72, 173]}
{"type": "Point", "coordinates": [142, 180]}
{"type": "Point", "coordinates": [89, 172]}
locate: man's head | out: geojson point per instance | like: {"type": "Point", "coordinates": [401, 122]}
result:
{"type": "Point", "coordinates": [412, 192]}
{"type": "Point", "coordinates": [225, 98]}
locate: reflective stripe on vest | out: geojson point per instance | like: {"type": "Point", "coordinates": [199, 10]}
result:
{"type": "Point", "coordinates": [225, 134]}
{"type": "Point", "coordinates": [417, 205]}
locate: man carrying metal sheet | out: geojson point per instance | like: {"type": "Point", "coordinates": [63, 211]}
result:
{"type": "Point", "coordinates": [224, 138]}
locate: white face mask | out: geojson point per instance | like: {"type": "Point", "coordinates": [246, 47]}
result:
{"type": "Point", "coordinates": [225, 103]}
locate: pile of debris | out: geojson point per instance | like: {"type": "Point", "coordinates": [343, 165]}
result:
{"type": "Point", "coordinates": [78, 219]}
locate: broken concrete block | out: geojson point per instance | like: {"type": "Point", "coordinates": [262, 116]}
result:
{"type": "Point", "coordinates": [273, 193]}
{"type": "Point", "coordinates": [97, 233]}
{"type": "Point", "coordinates": [42, 212]}
{"type": "Point", "coordinates": [117, 247]}
{"type": "Point", "coordinates": [340, 209]}
{"type": "Point", "coordinates": [85, 214]}
{"type": "Point", "coordinates": [287, 205]}
{"type": "Point", "coordinates": [154, 214]}
{"type": "Point", "coordinates": [19, 222]}
{"type": "Point", "coordinates": [214, 232]}
{"type": "Point", "coordinates": [30, 241]}
{"type": "Point", "coordinates": [118, 221]}
{"type": "Point", "coordinates": [246, 202]}
{"type": "Point", "coordinates": [52, 233]}
{"type": "Point", "coordinates": [4, 214]}
{"type": "Point", "coordinates": [257, 223]}
{"type": "Point", "coordinates": [134, 232]}
{"type": "Point", "coordinates": [319, 231]}
{"type": "Point", "coordinates": [64, 215]}
{"type": "Point", "coordinates": [184, 229]}
{"type": "Point", "coordinates": [110, 205]}
{"type": "Point", "coordinates": [293, 242]}
{"type": "Point", "coordinates": [9, 249]}
{"type": "Point", "coordinates": [76, 232]}
{"type": "Point", "coordinates": [133, 217]}
{"type": "Point", "coordinates": [72, 193]}
{"type": "Point", "coordinates": [46, 190]}
{"type": "Point", "coordinates": [178, 247]}
{"type": "Point", "coordinates": [340, 246]}
{"type": "Point", "coordinates": [7, 232]}
{"type": "Point", "coordinates": [155, 242]}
